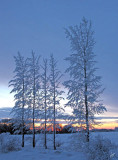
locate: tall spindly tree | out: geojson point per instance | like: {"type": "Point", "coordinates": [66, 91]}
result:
{"type": "Point", "coordinates": [45, 95]}
{"type": "Point", "coordinates": [55, 92]}
{"type": "Point", "coordinates": [84, 86]}
{"type": "Point", "coordinates": [19, 85]}
{"type": "Point", "coordinates": [33, 89]}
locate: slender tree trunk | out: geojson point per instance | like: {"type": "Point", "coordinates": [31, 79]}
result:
{"type": "Point", "coordinates": [45, 100]}
{"type": "Point", "coordinates": [34, 111]}
{"type": "Point", "coordinates": [45, 127]}
{"type": "Point", "coordinates": [23, 116]}
{"type": "Point", "coordinates": [45, 113]}
{"type": "Point", "coordinates": [87, 122]}
{"type": "Point", "coordinates": [86, 103]}
{"type": "Point", "coordinates": [23, 136]}
{"type": "Point", "coordinates": [22, 131]}
{"type": "Point", "coordinates": [54, 120]}
{"type": "Point", "coordinates": [33, 130]}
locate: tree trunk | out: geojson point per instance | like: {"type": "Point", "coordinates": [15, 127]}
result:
{"type": "Point", "coordinates": [86, 103]}
{"type": "Point", "coordinates": [54, 119]}
{"type": "Point", "coordinates": [87, 122]}
{"type": "Point", "coordinates": [45, 122]}
{"type": "Point", "coordinates": [23, 116]}
{"type": "Point", "coordinates": [34, 111]}
{"type": "Point", "coordinates": [22, 131]}
{"type": "Point", "coordinates": [33, 130]}
{"type": "Point", "coordinates": [23, 128]}
{"type": "Point", "coordinates": [54, 128]}
{"type": "Point", "coordinates": [45, 86]}
{"type": "Point", "coordinates": [23, 138]}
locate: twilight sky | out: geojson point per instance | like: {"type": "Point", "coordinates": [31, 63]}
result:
{"type": "Point", "coordinates": [39, 25]}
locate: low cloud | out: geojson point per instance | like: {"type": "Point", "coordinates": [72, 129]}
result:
{"type": "Point", "coordinates": [100, 118]}
{"type": "Point", "coordinates": [5, 112]}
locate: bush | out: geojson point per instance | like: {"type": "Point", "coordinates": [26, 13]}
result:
{"type": "Point", "coordinates": [100, 149]}
{"type": "Point", "coordinates": [9, 143]}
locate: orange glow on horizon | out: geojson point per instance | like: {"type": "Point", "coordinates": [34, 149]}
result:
{"type": "Point", "coordinates": [105, 125]}
{"type": "Point", "coordinates": [108, 125]}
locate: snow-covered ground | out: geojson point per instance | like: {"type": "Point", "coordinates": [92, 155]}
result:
{"type": "Point", "coordinates": [63, 152]}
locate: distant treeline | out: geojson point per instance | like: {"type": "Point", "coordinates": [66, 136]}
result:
{"type": "Point", "coordinates": [6, 125]}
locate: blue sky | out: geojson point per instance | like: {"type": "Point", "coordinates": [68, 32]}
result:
{"type": "Point", "coordinates": [39, 25]}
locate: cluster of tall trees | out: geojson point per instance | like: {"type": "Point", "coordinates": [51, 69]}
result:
{"type": "Point", "coordinates": [37, 90]}
{"type": "Point", "coordinates": [36, 93]}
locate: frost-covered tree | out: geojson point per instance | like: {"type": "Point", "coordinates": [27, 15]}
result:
{"type": "Point", "coordinates": [33, 89]}
{"type": "Point", "coordinates": [45, 95]}
{"type": "Point", "coordinates": [19, 85]}
{"type": "Point", "coordinates": [55, 91]}
{"type": "Point", "coordinates": [84, 86]}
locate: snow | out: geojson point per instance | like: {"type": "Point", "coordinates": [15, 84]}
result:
{"type": "Point", "coordinates": [37, 154]}
{"type": "Point", "coordinates": [63, 152]}
{"type": "Point", "coordinates": [113, 136]}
